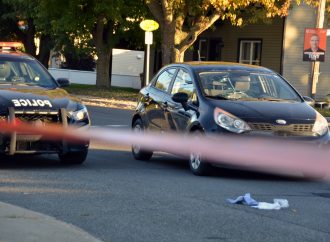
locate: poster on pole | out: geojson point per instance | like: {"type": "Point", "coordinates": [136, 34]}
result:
{"type": "Point", "coordinates": [315, 44]}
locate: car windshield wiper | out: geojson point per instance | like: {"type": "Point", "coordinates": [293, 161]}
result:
{"type": "Point", "coordinates": [273, 99]}
{"type": "Point", "coordinates": [219, 97]}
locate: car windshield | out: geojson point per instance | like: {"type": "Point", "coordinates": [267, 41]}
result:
{"type": "Point", "coordinates": [247, 86]}
{"type": "Point", "coordinates": [24, 72]}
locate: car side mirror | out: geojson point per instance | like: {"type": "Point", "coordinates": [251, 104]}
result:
{"type": "Point", "coordinates": [310, 101]}
{"type": "Point", "coordinates": [182, 98]}
{"type": "Point", "coordinates": [63, 82]}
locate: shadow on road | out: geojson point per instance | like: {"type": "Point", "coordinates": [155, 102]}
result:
{"type": "Point", "coordinates": [31, 162]}
{"type": "Point", "coordinates": [111, 159]}
{"type": "Point", "coordinates": [180, 163]}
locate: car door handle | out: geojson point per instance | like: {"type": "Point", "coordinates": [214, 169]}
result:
{"type": "Point", "coordinates": [165, 105]}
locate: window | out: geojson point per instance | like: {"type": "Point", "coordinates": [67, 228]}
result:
{"type": "Point", "coordinates": [183, 83]}
{"type": "Point", "coordinates": [250, 52]}
{"type": "Point", "coordinates": [164, 79]}
{"type": "Point", "coordinates": [202, 50]}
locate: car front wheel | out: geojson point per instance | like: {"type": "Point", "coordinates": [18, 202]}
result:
{"type": "Point", "coordinates": [74, 157]}
{"type": "Point", "coordinates": [197, 164]}
{"type": "Point", "coordinates": [138, 153]}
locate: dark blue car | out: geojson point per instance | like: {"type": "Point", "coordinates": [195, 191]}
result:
{"type": "Point", "coordinates": [202, 97]}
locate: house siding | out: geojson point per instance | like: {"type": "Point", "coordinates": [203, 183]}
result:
{"type": "Point", "coordinates": [295, 70]}
{"type": "Point", "coordinates": [270, 34]}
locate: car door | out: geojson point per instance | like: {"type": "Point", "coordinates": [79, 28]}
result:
{"type": "Point", "coordinates": [177, 118]}
{"type": "Point", "coordinates": [154, 97]}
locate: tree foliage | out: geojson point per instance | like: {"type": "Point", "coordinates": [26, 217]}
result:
{"type": "Point", "coordinates": [182, 21]}
{"type": "Point", "coordinates": [102, 23]}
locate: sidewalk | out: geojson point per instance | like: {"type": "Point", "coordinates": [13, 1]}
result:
{"type": "Point", "coordinates": [19, 224]}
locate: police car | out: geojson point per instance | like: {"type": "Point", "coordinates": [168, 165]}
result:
{"type": "Point", "coordinates": [29, 94]}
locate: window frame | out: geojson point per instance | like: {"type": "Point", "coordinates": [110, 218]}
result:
{"type": "Point", "coordinates": [170, 83]}
{"type": "Point", "coordinates": [251, 41]}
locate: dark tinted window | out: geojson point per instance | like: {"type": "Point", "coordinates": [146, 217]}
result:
{"type": "Point", "coordinates": [165, 78]}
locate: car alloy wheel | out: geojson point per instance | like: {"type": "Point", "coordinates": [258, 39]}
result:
{"type": "Point", "coordinates": [138, 153]}
{"type": "Point", "coordinates": [195, 160]}
{"type": "Point", "coordinates": [198, 166]}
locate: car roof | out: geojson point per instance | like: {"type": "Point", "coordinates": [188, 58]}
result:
{"type": "Point", "coordinates": [209, 65]}
{"type": "Point", "coordinates": [14, 55]}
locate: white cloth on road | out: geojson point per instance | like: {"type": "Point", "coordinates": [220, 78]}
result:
{"type": "Point", "coordinates": [248, 200]}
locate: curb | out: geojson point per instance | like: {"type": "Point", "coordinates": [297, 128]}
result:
{"type": "Point", "coordinates": [19, 224]}
{"type": "Point", "coordinates": [105, 102]}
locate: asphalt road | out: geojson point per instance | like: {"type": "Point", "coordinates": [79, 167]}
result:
{"type": "Point", "coordinates": [116, 198]}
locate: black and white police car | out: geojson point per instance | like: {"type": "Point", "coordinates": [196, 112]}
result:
{"type": "Point", "coordinates": [28, 93]}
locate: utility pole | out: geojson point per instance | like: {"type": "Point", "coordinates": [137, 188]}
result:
{"type": "Point", "coordinates": [315, 65]}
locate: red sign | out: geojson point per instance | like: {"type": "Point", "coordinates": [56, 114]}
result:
{"type": "Point", "coordinates": [315, 42]}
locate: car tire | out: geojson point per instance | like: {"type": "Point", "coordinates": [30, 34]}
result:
{"type": "Point", "coordinates": [75, 158]}
{"type": "Point", "coordinates": [198, 166]}
{"type": "Point", "coordinates": [138, 153]}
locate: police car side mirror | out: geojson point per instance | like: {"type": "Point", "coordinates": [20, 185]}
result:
{"type": "Point", "coordinates": [63, 82]}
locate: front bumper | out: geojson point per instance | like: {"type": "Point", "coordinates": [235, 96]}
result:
{"type": "Point", "coordinates": [318, 140]}
{"type": "Point", "coordinates": [16, 143]}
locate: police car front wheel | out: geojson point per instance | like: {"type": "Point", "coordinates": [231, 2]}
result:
{"type": "Point", "coordinates": [73, 157]}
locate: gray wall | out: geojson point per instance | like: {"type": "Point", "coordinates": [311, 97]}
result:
{"type": "Point", "coordinates": [270, 34]}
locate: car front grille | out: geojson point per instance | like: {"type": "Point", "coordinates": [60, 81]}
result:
{"type": "Point", "coordinates": [44, 118]}
{"type": "Point", "coordinates": [289, 130]}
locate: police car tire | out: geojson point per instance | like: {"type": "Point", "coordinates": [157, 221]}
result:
{"type": "Point", "coordinates": [203, 168]}
{"type": "Point", "coordinates": [73, 157]}
{"type": "Point", "coordinates": [140, 154]}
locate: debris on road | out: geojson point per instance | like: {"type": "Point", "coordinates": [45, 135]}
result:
{"type": "Point", "coordinates": [248, 200]}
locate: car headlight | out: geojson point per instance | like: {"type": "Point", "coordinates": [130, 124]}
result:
{"type": "Point", "coordinates": [321, 125]}
{"type": "Point", "coordinates": [230, 122]}
{"type": "Point", "coordinates": [79, 115]}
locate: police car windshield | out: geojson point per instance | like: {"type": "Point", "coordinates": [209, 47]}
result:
{"type": "Point", "coordinates": [24, 72]}
{"type": "Point", "coordinates": [247, 86]}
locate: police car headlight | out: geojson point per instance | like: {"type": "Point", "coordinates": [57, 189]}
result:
{"type": "Point", "coordinates": [230, 122]}
{"type": "Point", "coordinates": [79, 115]}
{"type": "Point", "coordinates": [321, 125]}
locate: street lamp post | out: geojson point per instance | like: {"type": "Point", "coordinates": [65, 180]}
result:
{"type": "Point", "coordinates": [148, 26]}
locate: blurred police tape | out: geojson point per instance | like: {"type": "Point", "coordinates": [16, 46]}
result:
{"type": "Point", "coordinates": [254, 153]}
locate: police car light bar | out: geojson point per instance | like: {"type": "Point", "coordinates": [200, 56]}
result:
{"type": "Point", "coordinates": [10, 46]}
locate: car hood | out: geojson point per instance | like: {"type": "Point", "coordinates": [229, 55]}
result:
{"type": "Point", "coordinates": [35, 98]}
{"type": "Point", "coordinates": [267, 111]}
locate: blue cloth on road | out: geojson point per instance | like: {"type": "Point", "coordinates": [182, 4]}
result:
{"type": "Point", "coordinates": [246, 200]}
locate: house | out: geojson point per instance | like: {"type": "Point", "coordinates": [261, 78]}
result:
{"type": "Point", "coordinates": [278, 46]}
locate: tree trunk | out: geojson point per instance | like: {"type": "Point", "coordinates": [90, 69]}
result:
{"type": "Point", "coordinates": [46, 45]}
{"type": "Point", "coordinates": [102, 69]}
{"type": "Point", "coordinates": [168, 48]}
{"type": "Point", "coordinates": [179, 55]}
{"type": "Point", "coordinates": [104, 53]}
{"type": "Point", "coordinates": [28, 42]}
